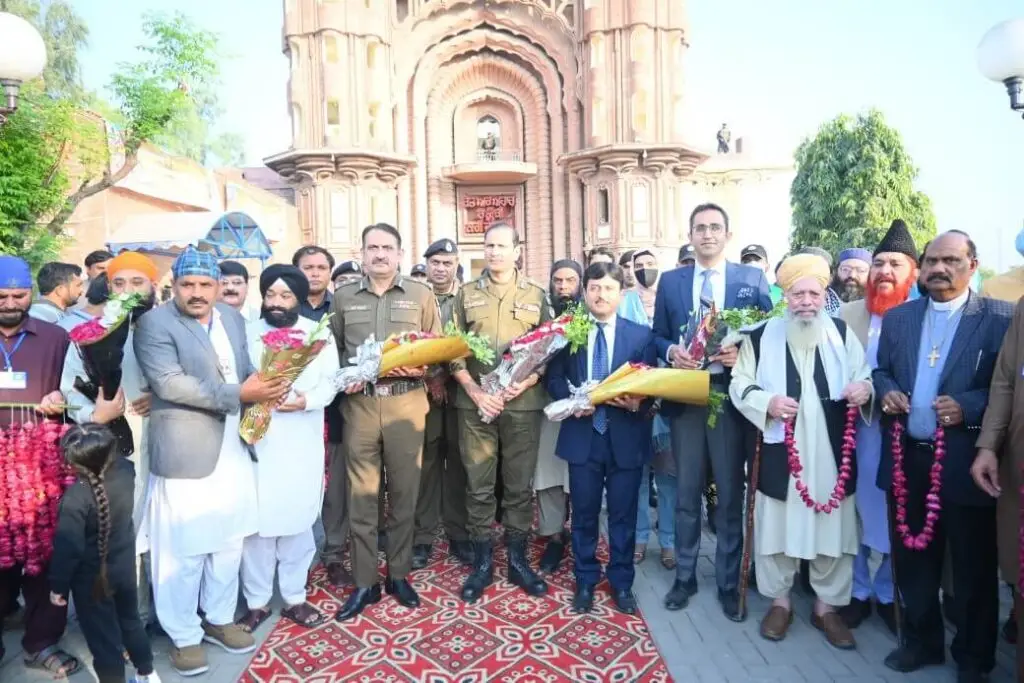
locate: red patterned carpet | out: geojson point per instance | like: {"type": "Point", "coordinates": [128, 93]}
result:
{"type": "Point", "coordinates": [506, 636]}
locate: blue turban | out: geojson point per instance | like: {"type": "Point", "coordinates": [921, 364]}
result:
{"type": "Point", "coordinates": [857, 254]}
{"type": "Point", "coordinates": [195, 262]}
{"type": "Point", "coordinates": [14, 273]}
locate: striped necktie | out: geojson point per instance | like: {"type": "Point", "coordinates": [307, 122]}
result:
{"type": "Point", "coordinates": [707, 294]}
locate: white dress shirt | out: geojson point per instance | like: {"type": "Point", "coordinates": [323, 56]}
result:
{"type": "Point", "coordinates": [717, 284]}
{"type": "Point", "coordinates": [951, 307]}
{"type": "Point", "coordinates": [609, 338]}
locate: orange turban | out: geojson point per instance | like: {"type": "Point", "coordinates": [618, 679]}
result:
{"type": "Point", "coordinates": [132, 260]}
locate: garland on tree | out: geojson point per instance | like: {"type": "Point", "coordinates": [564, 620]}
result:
{"type": "Point", "coordinates": [33, 477]}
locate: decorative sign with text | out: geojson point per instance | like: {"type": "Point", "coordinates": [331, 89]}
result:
{"type": "Point", "coordinates": [482, 210]}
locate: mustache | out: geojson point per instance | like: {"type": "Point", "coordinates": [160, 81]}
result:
{"type": "Point", "coordinates": [939, 277]}
{"type": "Point", "coordinates": [197, 300]}
{"type": "Point", "coordinates": [230, 292]}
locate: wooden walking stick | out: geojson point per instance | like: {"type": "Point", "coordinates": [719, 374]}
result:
{"type": "Point", "coordinates": [748, 534]}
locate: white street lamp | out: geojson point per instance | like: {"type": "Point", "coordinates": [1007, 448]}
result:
{"type": "Point", "coordinates": [1001, 58]}
{"type": "Point", "coordinates": [22, 58]}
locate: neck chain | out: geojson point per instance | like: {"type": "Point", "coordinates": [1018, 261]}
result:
{"type": "Point", "coordinates": [934, 355]}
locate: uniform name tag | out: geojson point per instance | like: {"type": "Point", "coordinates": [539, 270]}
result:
{"type": "Point", "coordinates": [356, 307]}
{"type": "Point", "coordinates": [407, 305]}
{"type": "Point", "coordinates": [532, 308]}
{"type": "Point", "coordinates": [474, 303]}
{"type": "Point", "coordinates": [17, 381]}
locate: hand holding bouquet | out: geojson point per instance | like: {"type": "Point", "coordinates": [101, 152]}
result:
{"type": "Point", "coordinates": [634, 379]}
{"type": "Point", "coordinates": [100, 343]}
{"type": "Point", "coordinates": [409, 350]}
{"type": "Point", "coordinates": [286, 353]}
{"type": "Point", "coordinates": [723, 328]}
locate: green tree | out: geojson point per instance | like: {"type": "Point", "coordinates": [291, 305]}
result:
{"type": "Point", "coordinates": [853, 179]}
{"type": "Point", "coordinates": [53, 156]}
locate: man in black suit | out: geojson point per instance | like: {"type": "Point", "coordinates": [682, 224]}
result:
{"type": "Point", "coordinates": [936, 356]}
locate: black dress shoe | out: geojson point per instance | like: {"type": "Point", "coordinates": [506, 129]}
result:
{"type": "Point", "coordinates": [624, 601]}
{"type": "Point", "coordinates": [462, 551]}
{"type": "Point", "coordinates": [583, 599]}
{"type": "Point", "coordinates": [420, 556]}
{"type": "Point", "coordinates": [360, 599]}
{"type": "Point", "coordinates": [553, 553]}
{"type": "Point", "coordinates": [907, 659]}
{"type": "Point", "coordinates": [854, 614]}
{"type": "Point", "coordinates": [971, 676]}
{"type": "Point", "coordinates": [730, 602]}
{"type": "Point", "coordinates": [403, 592]}
{"type": "Point", "coordinates": [887, 613]}
{"type": "Point", "coordinates": [679, 595]}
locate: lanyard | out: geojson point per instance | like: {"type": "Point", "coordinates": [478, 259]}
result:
{"type": "Point", "coordinates": [9, 355]}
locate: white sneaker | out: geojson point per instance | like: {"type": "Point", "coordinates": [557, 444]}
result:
{"type": "Point", "coordinates": [151, 678]}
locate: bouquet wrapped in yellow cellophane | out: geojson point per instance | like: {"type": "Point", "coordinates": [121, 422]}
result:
{"type": "Point", "coordinates": [635, 379]}
{"type": "Point", "coordinates": [375, 359]}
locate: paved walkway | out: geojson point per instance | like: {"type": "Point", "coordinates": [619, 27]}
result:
{"type": "Point", "coordinates": [699, 644]}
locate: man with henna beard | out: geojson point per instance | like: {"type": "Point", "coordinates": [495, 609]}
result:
{"type": "Point", "coordinates": [893, 272]}
{"type": "Point", "coordinates": [936, 357]}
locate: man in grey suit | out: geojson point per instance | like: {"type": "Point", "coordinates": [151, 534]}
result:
{"type": "Point", "coordinates": [202, 494]}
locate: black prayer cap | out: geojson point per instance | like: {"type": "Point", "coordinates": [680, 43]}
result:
{"type": "Point", "coordinates": [567, 263]}
{"type": "Point", "coordinates": [897, 241]}
{"type": "Point", "coordinates": [346, 268]}
{"type": "Point", "coordinates": [442, 246]}
{"type": "Point", "coordinates": [290, 275]}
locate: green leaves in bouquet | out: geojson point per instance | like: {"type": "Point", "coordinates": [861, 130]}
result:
{"type": "Point", "coordinates": [716, 404]}
{"type": "Point", "coordinates": [577, 330]}
{"type": "Point", "coordinates": [738, 318]}
{"type": "Point", "coordinates": [479, 346]}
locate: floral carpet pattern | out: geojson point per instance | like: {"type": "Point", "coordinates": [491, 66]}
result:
{"type": "Point", "coordinates": [506, 636]}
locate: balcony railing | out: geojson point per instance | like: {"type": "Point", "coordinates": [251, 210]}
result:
{"type": "Point", "coordinates": [484, 156]}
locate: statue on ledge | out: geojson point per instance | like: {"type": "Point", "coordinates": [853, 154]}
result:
{"type": "Point", "coordinates": [724, 138]}
{"type": "Point", "coordinates": [488, 135]}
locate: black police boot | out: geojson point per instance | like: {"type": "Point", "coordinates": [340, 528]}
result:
{"type": "Point", "coordinates": [519, 571]}
{"type": "Point", "coordinates": [483, 571]}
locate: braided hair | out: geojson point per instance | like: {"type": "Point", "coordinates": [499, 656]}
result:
{"type": "Point", "coordinates": [91, 449]}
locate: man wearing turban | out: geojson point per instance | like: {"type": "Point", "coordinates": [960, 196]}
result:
{"type": "Point", "coordinates": [201, 501]}
{"type": "Point", "coordinates": [289, 461]}
{"type": "Point", "coordinates": [804, 503]}
{"type": "Point", "coordinates": [128, 273]}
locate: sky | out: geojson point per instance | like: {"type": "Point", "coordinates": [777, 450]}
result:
{"type": "Point", "coordinates": [775, 71]}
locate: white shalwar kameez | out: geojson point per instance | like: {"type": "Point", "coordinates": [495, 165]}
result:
{"type": "Point", "coordinates": [289, 481]}
{"type": "Point", "coordinates": [196, 528]}
{"type": "Point", "coordinates": [786, 532]}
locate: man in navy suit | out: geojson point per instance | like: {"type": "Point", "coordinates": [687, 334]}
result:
{"type": "Point", "coordinates": [606, 447]}
{"type": "Point", "coordinates": [936, 357]}
{"type": "Point", "coordinates": [684, 296]}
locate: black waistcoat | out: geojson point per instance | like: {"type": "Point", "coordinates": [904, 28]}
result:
{"type": "Point", "coordinates": [773, 474]}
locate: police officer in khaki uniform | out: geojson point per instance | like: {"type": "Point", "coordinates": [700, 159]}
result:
{"type": "Point", "coordinates": [502, 304]}
{"type": "Point", "coordinates": [384, 421]}
{"type": "Point", "coordinates": [443, 477]}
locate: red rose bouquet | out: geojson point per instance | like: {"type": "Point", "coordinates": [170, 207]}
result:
{"type": "Point", "coordinates": [287, 351]}
{"type": "Point", "coordinates": [101, 343]}
{"type": "Point", "coordinates": [33, 477]}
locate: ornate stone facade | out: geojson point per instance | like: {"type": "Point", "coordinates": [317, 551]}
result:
{"type": "Point", "coordinates": [440, 116]}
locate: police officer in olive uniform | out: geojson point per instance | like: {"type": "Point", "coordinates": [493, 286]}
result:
{"type": "Point", "coordinates": [384, 421]}
{"type": "Point", "coordinates": [502, 304]}
{"type": "Point", "coordinates": [443, 477]}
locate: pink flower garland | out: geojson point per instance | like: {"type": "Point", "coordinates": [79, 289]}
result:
{"type": "Point", "coordinates": [845, 466]}
{"type": "Point", "coordinates": [933, 502]}
{"type": "Point", "coordinates": [33, 477]}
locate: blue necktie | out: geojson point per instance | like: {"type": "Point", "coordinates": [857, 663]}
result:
{"type": "Point", "coordinates": [598, 372]}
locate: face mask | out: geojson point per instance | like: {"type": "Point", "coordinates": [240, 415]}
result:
{"type": "Point", "coordinates": [647, 277]}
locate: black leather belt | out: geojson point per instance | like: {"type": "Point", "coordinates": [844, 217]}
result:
{"type": "Point", "coordinates": [924, 445]}
{"type": "Point", "coordinates": [395, 387]}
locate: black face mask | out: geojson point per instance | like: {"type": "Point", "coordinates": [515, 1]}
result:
{"type": "Point", "coordinates": [646, 276]}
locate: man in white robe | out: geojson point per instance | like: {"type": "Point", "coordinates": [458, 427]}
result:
{"type": "Point", "coordinates": [813, 369]}
{"type": "Point", "coordinates": [201, 501]}
{"type": "Point", "coordinates": [289, 461]}
{"type": "Point", "coordinates": [128, 273]}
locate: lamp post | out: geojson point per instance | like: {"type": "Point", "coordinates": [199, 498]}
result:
{"type": "Point", "coordinates": [22, 58]}
{"type": "Point", "coordinates": [1001, 59]}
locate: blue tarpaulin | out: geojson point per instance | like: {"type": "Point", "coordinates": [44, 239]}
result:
{"type": "Point", "coordinates": [232, 235]}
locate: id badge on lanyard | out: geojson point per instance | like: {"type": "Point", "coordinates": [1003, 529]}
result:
{"type": "Point", "coordinates": [9, 379]}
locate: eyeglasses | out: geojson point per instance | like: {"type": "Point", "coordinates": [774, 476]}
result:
{"type": "Point", "coordinates": [714, 229]}
{"type": "Point", "coordinates": [847, 271]}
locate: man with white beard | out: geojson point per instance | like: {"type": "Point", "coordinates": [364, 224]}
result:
{"type": "Point", "coordinates": [804, 507]}
{"type": "Point", "coordinates": [893, 272]}
{"type": "Point", "coordinates": [289, 462]}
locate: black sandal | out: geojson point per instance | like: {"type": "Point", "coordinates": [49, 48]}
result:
{"type": "Point", "coordinates": [55, 662]}
{"type": "Point", "coordinates": [304, 615]}
{"type": "Point", "coordinates": [253, 619]}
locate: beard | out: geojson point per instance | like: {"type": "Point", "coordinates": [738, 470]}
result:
{"type": "Point", "coordinates": [848, 290]}
{"type": "Point", "coordinates": [280, 317]}
{"type": "Point", "coordinates": [804, 334]}
{"type": "Point", "coordinates": [562, 303]}
{"type": "Point", "coordinates": [880, 303]}
{"type": "Point", "coordinates": [12, 317]}
{"type": "Point", "coordinates": [144, 306]}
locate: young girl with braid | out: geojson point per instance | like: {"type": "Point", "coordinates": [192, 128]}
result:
{"type": "Point", "coordinates": [94, 555]}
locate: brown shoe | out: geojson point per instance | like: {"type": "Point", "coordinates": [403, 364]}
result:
{"type": "Point", "coordinates": [338, 575]}
{"type": "Point", "coordinates": [232, 638]}
{"type": "Point", "coordinates": [189, 660]}
{"type": "Point", "coordinates": [776, 623]}
{"type": "Point", "coordinates": [836, 632]}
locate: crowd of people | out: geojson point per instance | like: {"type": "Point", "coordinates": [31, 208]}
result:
{"type": "Point", "coordinates": [864, 445]}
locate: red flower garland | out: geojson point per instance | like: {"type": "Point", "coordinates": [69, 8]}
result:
{"type": "Point", "coordinates": [33, 477]}
{"type": "Point", "coordinates": [845, 466]}
{"type": "Point", "coordinates": [933, 502]}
